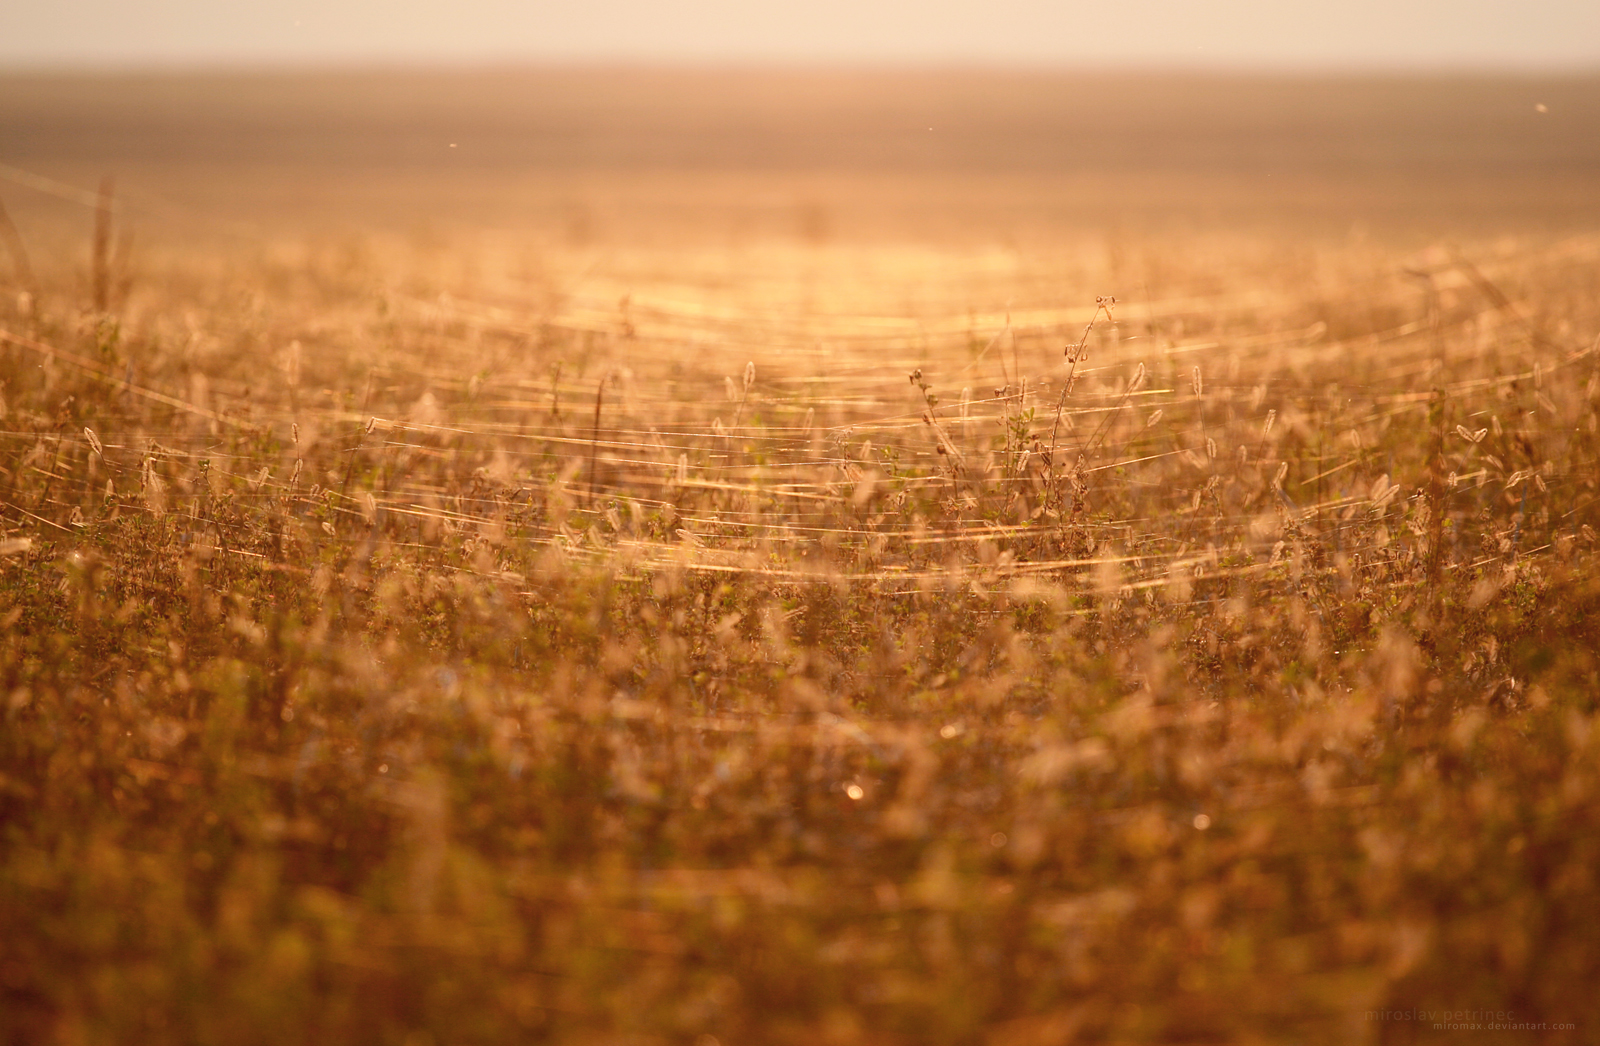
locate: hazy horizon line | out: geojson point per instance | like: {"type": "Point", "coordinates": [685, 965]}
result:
{"type": "Point", "coordinates": [181, 65]}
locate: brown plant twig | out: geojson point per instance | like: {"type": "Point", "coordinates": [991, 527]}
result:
{"type": "Point", "coordinates": [1074, 353]}
{"type": "Point", "coordinates": [594, 437]}
{"type": "Point", "coordinates": [18, 251]}
{"type": "Point", "coordinates": [100, 259]}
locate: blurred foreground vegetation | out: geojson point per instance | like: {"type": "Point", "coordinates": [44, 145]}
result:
{"type": "Point", "coordinates": [384, 664]}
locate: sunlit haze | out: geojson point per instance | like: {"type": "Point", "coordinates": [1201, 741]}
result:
{"type": "Point", "coordinates": [1425, 34]}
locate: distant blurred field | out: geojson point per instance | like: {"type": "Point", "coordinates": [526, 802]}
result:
{"type": "Point", "coordinates": [617, 555]}
{"type": "Point", "coordinates": [968, 157]}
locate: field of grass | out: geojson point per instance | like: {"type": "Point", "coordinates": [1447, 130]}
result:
{"type": "Point", "coordinates": [780, 582]}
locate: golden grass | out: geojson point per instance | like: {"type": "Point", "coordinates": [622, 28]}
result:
{"type": "Point", "coordinates": [769, 637]}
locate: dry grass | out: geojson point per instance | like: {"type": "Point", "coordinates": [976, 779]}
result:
{"type": "Point", "coordinates": [799, 639]}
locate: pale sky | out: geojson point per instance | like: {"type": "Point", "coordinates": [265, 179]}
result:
{"type": "Point", "coordinates": [1532, 35]}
